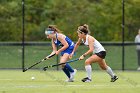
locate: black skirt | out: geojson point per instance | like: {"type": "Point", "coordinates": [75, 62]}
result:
{"type": "Point", "coordinates": [101, 54]}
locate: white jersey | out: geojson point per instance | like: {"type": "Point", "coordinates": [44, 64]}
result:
{"type": "Point", "coordinates": [97, 46]}
{"type": "Point", "coordinates": [137, 40]}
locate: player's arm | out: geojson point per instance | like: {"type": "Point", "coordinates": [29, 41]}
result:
{"type": "Point", "coordinates": [75, 47]}
{"type": "Point", "coordinates": [54, 49]}
{"type": "Point", "coordinates": [61, 38]}
{"type": "Point", "coordinates": [90, 42]}
{"type": "Point", "coordinates": [91, 48]}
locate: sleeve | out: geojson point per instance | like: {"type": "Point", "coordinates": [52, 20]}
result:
{"type": "Point", "coordinates": [136, 39]}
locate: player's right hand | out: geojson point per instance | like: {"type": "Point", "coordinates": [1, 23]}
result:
{"type": "Point", "coordinates": [71, 55]}
{"type": "Point", "coordinates": [81, 57]}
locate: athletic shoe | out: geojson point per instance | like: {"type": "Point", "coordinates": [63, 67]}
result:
{"type": "Point", "coordinates": [86, 79]}
{"type": "Point", "coordinates": [69, 80]}
{"type": "Point", "coordinates": [114, 79]}
{"type": "Point", "coordinates": [73, 74]}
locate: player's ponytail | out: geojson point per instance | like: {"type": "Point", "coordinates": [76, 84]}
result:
{"type": "Point", "coordinates": [84, 29]}
{"type": "Point", "coordinates": [87, 27]}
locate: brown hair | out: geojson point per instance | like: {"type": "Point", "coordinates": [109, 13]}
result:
{"type": "Point", "coordinates": [84, 28]}
{"type": "Point", "coordinates": [54, 28]}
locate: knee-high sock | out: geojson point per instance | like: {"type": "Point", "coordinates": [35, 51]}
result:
{"type": "Point", "coordinates": [109, 71]}
{"type": "Point", "coordinates": [70, 69]}
{"type": "Point", "coordinates": [66, 71]}
{"type": "Point", "coordinates": [88, 70]}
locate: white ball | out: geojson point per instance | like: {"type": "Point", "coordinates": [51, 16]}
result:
{"type": "Point", "coordinates": [32, 78]}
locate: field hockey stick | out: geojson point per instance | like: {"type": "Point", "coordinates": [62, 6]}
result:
{"type": "Point", "coordinates": [45, 68]}
{"type": "Point", "coordinates": [38, 62]}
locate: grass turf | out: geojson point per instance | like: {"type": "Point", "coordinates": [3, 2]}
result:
{"type": "Point", "coordinates": [15, 81]}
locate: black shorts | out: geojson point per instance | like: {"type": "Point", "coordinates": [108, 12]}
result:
{"type": "Point", "coordinates": [101, 54]}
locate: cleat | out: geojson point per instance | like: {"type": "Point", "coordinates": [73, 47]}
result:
{"type": "Point", "coordinates": [69, 80]}
{"type": "Point", "coordinates": [73, 74]}
{"type": "Point", "coordinates": [86, 79]}
{"type": "Point", "coordinates": [114, 79]}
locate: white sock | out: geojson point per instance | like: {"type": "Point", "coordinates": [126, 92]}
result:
{"type": "Point", "coordinates": [89, 71]}
{"type": "Point", "coordinates": [110, 72]}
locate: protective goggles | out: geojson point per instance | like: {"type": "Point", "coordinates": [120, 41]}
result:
{"type": "Point", "coordinates": [49, 31]}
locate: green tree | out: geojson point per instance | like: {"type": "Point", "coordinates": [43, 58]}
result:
{"type": "Point", "coordinates": [103, 16]}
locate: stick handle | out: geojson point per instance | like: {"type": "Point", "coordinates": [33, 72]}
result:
{"type": "Point", "coordinates": [38, 62]}
{"type": "Point", "coordinates": [49, 56]}
{"type": "Point", "coordinates": [69, 61]}
{"type": "Point", "coordinates": [45, 68]}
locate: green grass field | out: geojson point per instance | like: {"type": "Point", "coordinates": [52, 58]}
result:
{"type": "Point", "coordinates": [52, 81]}
{"type": "Point", "coordinates": [16, 81]}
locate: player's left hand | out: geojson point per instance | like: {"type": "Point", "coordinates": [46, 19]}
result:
{"type": "Point", "coordinates": [81, 57]}
{"type": "Point", "coordinates": [71, 55]}
{"type": "Point", "coordinates": [57, 52]}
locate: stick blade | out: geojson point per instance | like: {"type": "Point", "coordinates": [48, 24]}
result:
{"type": "Point", "coordinates": [44, 68]}
{"type": "Point", "coordinates": [25, 69]}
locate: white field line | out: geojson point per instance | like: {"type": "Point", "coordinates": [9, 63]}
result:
{"type": "Point", "coordinates": [6, 79]}
{"type": "Point", "coordinates": [78, 85]}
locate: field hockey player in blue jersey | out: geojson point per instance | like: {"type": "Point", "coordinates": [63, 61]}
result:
{"type": "Point", "coordinates": [67, 46]}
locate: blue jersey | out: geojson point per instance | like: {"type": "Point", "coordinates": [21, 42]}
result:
{"type": "Point", "coordinates": [70, 43]}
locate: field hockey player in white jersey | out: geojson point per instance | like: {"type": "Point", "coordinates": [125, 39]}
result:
{"type": "Point", "coordinates": [98, 51]}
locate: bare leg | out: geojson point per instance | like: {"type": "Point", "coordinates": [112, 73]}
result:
{"type": "Point", "coordinates": [104, 66]}
{"type": "Point", "coordinates": [69, 71]}
{"type": "Point", "coordinates": [63, 59]}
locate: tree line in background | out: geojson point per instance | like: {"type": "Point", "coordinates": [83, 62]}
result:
{"type": "Point", "coordinates": [104, 18]}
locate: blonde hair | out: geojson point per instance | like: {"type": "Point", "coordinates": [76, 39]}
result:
{"type": "Point", "coordinates": [54, 28]}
